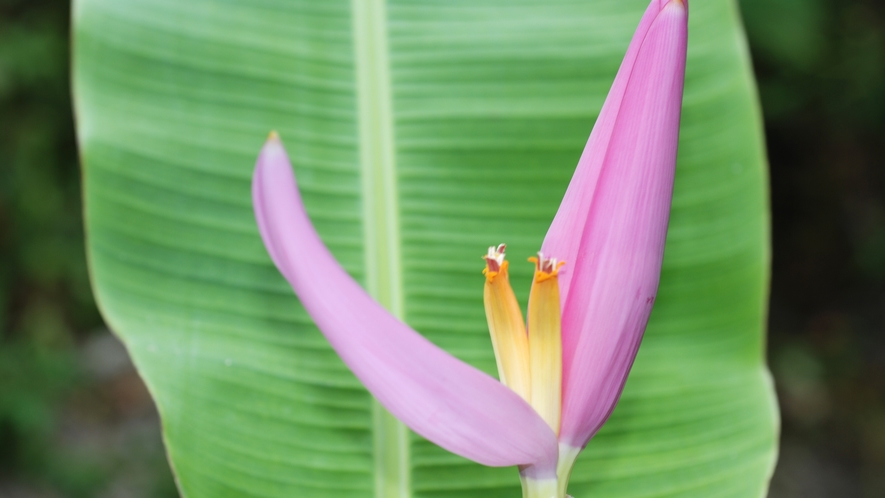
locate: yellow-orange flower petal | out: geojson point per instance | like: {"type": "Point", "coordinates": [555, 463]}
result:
{"type": "Point", "coordinates": [545, 341]}
{"type": "Point", "coordinates": [506, 325]}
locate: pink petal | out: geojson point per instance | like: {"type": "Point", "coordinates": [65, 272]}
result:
{"type": "Point", "coordinates": [624, 194]}
{"type": "Point", "coordinates": [438, 396]}
{"type": "Point", "coordinates": [564, 235]}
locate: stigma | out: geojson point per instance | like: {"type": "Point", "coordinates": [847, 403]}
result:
{"type": "Point", "coordinates": [495, 262]}
{"type": "Point", "coordinates": [545, 267]}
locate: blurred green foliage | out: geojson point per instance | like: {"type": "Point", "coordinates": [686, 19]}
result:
{"type": "Point", "coordinates": [46, 306]}
{"type": "Point", "coordinates": [44, 291]}
{"type": "Point", "coordinates": [821, 70]}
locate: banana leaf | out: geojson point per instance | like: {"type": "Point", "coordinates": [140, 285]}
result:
{"type": "Point", "coordinates": [421, 133]}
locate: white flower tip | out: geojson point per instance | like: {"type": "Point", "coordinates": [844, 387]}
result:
{"type": "Point", "coordinates": [546, 265]}
{"type": "Point", "coordinates": [495, 258]}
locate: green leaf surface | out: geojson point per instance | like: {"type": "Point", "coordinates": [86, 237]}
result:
{"type": "Point", "coordinates": [421, 133]}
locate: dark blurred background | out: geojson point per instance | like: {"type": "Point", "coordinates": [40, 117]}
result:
{"type": "Point", "coordinates": [821, 71]}
{"type": "Point", "coordinates": [75, 420]}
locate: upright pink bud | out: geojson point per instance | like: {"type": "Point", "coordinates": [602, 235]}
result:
{"type": "Point", "coordinates": [612, 223]}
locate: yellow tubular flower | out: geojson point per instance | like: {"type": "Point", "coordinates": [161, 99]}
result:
{"type": "Point", "coordinates": [507, 328]}
{"type": "Point", "coordinates": [545, 340]}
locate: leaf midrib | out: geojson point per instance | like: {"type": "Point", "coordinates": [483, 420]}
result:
{"type": "Point", "coordinates": [380, 220]}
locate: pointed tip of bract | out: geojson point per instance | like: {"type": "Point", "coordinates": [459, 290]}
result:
{"type": "Point", "coordinates": [675, 3]}
{"type": "Point", "coordinates": [273, 154]}
{"type": "Point", "coordinates": [663, 4]}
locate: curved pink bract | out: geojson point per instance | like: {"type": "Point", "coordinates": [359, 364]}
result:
{"type": "Point", "coordinates": [438, 396]}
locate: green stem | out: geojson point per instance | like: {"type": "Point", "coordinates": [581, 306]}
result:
{"type": "Point", "coordinates": [540, 488]}
{"type": "Point", "coordinates": [552, 487]}
{"type": "Point", "coordinates": [567, 457]}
